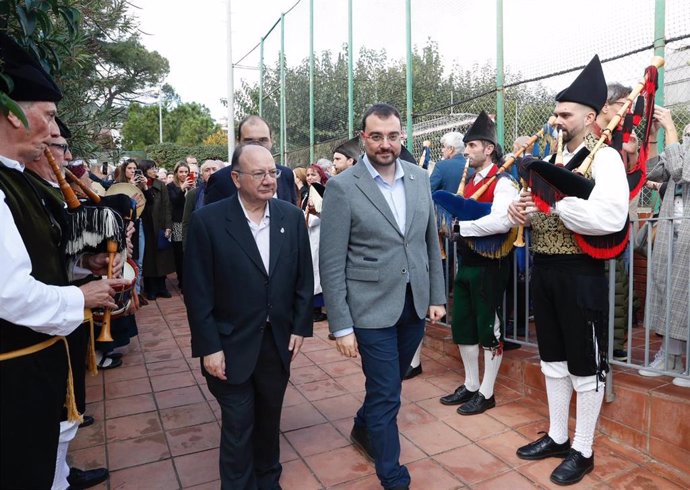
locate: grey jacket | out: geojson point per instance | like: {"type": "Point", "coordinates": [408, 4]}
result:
{"type": "Point", "coordinates": [365, 259]}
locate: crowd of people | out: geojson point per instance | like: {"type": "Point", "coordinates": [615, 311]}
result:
{"type": "Point", "coordinates": [353, 239]}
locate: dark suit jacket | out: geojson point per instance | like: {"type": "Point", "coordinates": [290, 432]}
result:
{"type": "Point", "coordinates": [228, 293]}
{"type": "Point", "coordinates": [447, 174]}
{"type": "Point", "coordinates": [220, 185]}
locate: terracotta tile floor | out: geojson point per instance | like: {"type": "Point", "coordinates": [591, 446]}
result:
{"type": "Point", "coordinates": [157, 426]}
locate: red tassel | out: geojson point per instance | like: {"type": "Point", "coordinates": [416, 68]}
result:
{"type": "Point", "coordinates": [603, 251]}
{"type": "Point", "coordinates": [636, 180]}
{"type": "Point", "coordinates": [541, 205]}
{"type": "Point", "coordinates": [639, 111]}
{"type": "Point", "coordinates": [627, 127]}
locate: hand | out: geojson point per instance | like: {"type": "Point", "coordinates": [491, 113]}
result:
{"type": "Point", "coordinates": [168, 233]}
{"type": "Point", "coordinates": [98, 264]}
{"type": "Point", "coordinates": [347, 345]}
{"type": "Point", "coordinates": [99, 294]}
{"type": "Point", "coordinates": [662, 117]}
{"type": "Point", "coordinates": [518, 211]}
{"type": "Point", "coordinates": [436, 312]}
{"type": "Point", "coordinates": [214, 364]}
{"type": "Point", "coordinates": [295, 345]}
{"type": "Point", "coordinates": [185, 185]}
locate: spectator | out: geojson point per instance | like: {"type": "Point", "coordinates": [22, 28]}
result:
{"type": "Point", "coordinates": [158, 256]}
{"type": "Point", "coordinates": [177, 190]}
{"type": "Point", "coordinates": [327, 166]}
{"type": "Point", "coordinates": [301, 186]}
{"type": "Point", "coordinates": [195, 196]}
{"type": "Point", "coordinates": [346, 155]}
{"type": "Point", "coordinates": [448, 171]}
{"type": "Point", "coordinates": [162, 175]}
{"type": "Point", "coordinates": [673, 168]}
{"type": "Point", "coordinates": [316, 181]}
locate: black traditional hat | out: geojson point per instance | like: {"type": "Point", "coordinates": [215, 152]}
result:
{"type": "Point", "coordinates": [406, 155]}
{"type": "Point", "coordinates": [482, 129]}
{"type": "Point", "coordinates": [589, 88]}
{"type": "Point", "coordinates": [350, 148]}
{"type": "Point", "coordinates": [30, 80]}
{"type": "Point", "coordinates": [64, 130]}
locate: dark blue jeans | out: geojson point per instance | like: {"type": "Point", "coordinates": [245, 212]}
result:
{"type": "Point", "coordinates": [386, 355]}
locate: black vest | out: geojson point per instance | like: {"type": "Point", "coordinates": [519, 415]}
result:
{"type": "Point", "coordinates": [37, 216]}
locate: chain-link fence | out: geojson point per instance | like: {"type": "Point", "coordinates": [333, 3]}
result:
{"type": "Point", "coordinates": [454, 59]}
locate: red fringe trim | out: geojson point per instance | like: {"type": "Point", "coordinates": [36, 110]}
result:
{"type": "Point", "coordinates": [603, 252]}
{"type": "Point", "coordinates": [541, 205]}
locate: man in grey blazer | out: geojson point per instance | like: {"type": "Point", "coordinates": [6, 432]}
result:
{"type": "Point", "coordinates": [381, 273]}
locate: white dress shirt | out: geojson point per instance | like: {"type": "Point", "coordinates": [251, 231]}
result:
{"type": "Point", "coordinates": [393, 194]}
{"type": "Point", "coordinates": [497, 221]}
{"type": "Point", "coordinates": [52, 310]}
{"type": "Point", "coordinates": [261, 233]}
{"type": "Point", "coordinates": [606, 208]}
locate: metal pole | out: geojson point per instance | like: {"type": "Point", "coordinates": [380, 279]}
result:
{"type": "Point", "coordinates": [283, 143]}
{"type": "Point", "coordinates": [350, 75]}
{"type": "Point", "coordinates": [408, 29]}
{"type": "Point", "coordinates": [160, 114]}
{"type": "Point", "coordinates": [500, 95]}
{"type": "Point", "coordinates": [261, 78]}
{"type": "Point", "coordinates": [311, 81]}
{"type": "Point", "coordinates": [659, 50]}
{"type": "Point", "coordinates": [231, 88]}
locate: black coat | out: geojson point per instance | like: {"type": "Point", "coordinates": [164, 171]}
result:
{"type": "Point", "coordinates": [228, 294]}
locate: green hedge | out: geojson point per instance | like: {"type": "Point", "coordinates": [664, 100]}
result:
{"type": "Point", "coordinates": [167, 154]}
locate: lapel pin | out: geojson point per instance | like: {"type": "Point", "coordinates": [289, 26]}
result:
{"type": "Point", "coordinates": [282, 230]}
{"type": "Point", "coordinates": [411, 177]}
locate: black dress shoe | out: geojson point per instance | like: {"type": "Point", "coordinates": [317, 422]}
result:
{"type": "Point", "coordinates": [88, 420]}
{"type": "Point", "coordinates": [164, 294]}
{"type": "Point", "coordinates": [412, 372]}
{"type": "Point", "coordinates": [478, 404]}
{"type": "Point", "coordinates": [399, 487]}
{"type": "Point", "coordinates": [461, 395]}
{"type": "Point", "coordinates": [360, 438]}
{"type": "Point", "coordinates": [573, 468]}
{"type": "Point", "coordinates": [542, 448]}
{"type": "Point", "coordinates": [85, 479]}
{"type": "Point", "coordinates": [151, 296]}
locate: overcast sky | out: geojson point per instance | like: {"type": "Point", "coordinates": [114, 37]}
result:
{"type": "Point", "coordinates": [539, 35]}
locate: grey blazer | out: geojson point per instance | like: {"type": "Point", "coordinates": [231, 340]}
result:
{"type": "Point", "coordinates": [365, 259]}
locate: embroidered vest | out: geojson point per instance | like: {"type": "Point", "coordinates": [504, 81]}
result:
{"type": "Point", "coordinates": [549, 234]}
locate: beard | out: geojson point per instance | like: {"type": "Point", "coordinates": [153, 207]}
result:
{"type": "Point", "coordinates": [384, 158]}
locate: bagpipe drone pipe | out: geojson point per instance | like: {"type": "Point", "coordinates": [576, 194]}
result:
{"type": "Point", "coordinates": [550, 183]}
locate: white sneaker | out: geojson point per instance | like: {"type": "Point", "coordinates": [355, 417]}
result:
{"type": "Point", "coordinates": [659, 363]}
{"type": "Point", "coordinates": [684, 382]}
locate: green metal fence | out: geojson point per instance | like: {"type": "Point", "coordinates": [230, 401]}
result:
{"type": "Point", "coordinates": [440, 62]}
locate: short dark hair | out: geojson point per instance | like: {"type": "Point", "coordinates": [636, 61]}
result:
{"type": "Point", "coordinates": [252, 119]}
{"type": "Point", "coordinates": [235, 161]}
{"type": "Point", "coordinates": [144, 165]}
{"type": "Point", "coordinates": [383, 111]}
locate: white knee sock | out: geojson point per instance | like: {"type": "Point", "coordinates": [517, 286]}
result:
{"type": "Point", "coordinates": [67, 432]}
{"type": "Point", "coordinates": [588, 407]}
{"type": "Point", "coordinates": [417, 359]}
{"type": "Point", "coordinates": [470, 361]}
{"type": "Point", "coordinates": [558, 393]}
{"type": "Point", "coordinates": [492, 362]}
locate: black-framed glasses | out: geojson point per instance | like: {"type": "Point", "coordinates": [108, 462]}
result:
{"type": "Point", "coordinates": [259, 176]}
{"type": "Point", "coordinates": [63, 146]}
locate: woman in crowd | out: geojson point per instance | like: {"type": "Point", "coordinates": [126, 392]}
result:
{"type": "Point", "coordinates": [177, 190]}
{"type": "Point", "coordinates": [158, 255]}
{"type": "Point", "coordinates": [300, 174]}
{"type": "Point", "coordinates": [316, 179]}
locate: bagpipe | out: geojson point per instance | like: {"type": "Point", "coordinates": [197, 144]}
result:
{"type": "Point", "coordinates": [550, 183]}
{"type": "Point", "coordinates": [94, 227]}
{"type": "Point", "coordinates": [452, 208]}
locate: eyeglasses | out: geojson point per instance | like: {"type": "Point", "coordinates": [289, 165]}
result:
{"type": "Point", "coordinates": [259, 176]}
{"type": "Point", "coordinates": [63, 147]}
{"type": "Point", "coordinates": [378, 137]}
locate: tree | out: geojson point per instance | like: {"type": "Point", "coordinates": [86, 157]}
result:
{"type": "Point", "coordinates": [220, 137]}
{"type": "Point", "coordinates": [92, 49]}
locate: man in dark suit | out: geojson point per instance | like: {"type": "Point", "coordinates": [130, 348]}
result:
{"type": "Point", "coordinates": [249, 304]}
{"type": "Point", "coordinates": [448, 172]}
{"type": "Point", "coordinates": [252, 129]}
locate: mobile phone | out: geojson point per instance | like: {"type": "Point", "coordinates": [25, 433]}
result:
{"type": "Point", "coordinates": [138, 173]}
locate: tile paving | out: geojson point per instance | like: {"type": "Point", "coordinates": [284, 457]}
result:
{"type": "Point", "coordinates": [158, 427]}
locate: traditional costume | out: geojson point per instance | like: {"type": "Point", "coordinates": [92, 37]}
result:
{"type": "Point", "coordinates": [482, 278]}
{"type": "Point", "coordinates": [570, 292]}
{"type": "Point", "coordinates": [35, 309]}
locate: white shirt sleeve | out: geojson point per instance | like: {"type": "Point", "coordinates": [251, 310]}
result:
{"type": "Point", "coordinates": [497, 221]}
{"type": "Point", "coordinates": [606, 208]}
{"type": "Point", "coordinates": [53, 310]}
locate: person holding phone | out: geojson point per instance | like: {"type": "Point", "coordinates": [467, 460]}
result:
{"type": "Point", "coordinates": [177, 190]}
